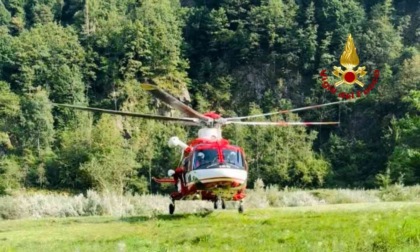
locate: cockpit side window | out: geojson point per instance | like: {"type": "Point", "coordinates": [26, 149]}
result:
{"type": "Point", "coordinates": [205, 158]}
{"type": "Point", "coordinates": [233, 157]}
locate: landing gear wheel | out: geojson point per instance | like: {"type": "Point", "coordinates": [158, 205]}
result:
{"type": "Point", "coordinates": [219, 203]}
{"type": "Point", "coordinates": [241, 207]}
{"type": "Point", "coordinates": [172, 207]}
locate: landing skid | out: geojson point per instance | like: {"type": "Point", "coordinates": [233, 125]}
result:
{"type": "Point", "coordinates": [219, 203]}
{"type": "Point", "coordinates": [241, 207]}
{"type": "Point", "coordinates": [172, 207]}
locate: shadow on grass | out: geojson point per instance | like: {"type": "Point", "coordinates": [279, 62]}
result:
{"type": "Point", "coordinates": [168, 217]}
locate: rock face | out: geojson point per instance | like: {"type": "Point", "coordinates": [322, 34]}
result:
{"type": "Point", "coordinates": [185, 95]}
{"type": "Point", "coordinates": [254, 81]}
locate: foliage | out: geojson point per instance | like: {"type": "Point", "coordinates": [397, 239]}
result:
{"type": "Point", "coordinates": [234, 57]}
{"type": "Point", "coordinates": [405, 159]}
{"type": "Point", "coordinates": [23, 204]}
{"type": "Point", "coordinates": [36, 121]}
{"type": "Point", "coordinates": [384, 179]}
{"type": "Point", "coordinates": [10, 174]}
{"type": "Point", "coordinates": [291, 164]}
{"type": "Point", "coordinates": [73, 150]}
{"type": "Point", "coordinates": [110, 160]}
{"type": "Point", "coordinates": [397, 192]}
{"type": "Point", "coordinates": [9, 112]}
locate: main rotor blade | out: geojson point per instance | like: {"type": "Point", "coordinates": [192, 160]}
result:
{"type": "Point", "coordinates": [172, 101]}
{"type": "Point", "coordinates": [286, 111]}
{"type": "Point", "coordinates": [283, 123]}
{"type": "Point", "coordinates": [191, 121]}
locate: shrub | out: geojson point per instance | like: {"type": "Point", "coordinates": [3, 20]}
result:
{"type": "Point", "coordinates": [48, 204]}
{"type": "Point", "coordinates": [37, 205]}
{"type": "Point", "coordinates": [300, 198]}
{"type": "Point", "coordinates": [341, 196]}
{"type": "Point", "coordinates": [259, 185]}
{"type": "Point", "coordinates": [273, 197]}
{"type": "Point", "coordinates": [398, 192]}
{"type": "Point", "coordinates": [256, 199]}
{"type": "Point", "coordinates": [414, 192]}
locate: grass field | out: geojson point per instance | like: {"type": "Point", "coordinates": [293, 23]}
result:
{"type": "Point", "coordinates": [391, 226]}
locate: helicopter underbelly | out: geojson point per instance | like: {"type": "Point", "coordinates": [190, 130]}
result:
{"type": "Point", "coordinates": [223, 178]}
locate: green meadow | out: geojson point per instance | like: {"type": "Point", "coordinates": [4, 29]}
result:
{"type": "Point", "coordinates": [385, 226]}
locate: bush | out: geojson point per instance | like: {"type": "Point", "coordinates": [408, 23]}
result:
{"type": "Point", "coordinates": [273, 197]}
{"type": "Point", "coordinates": [398, 192]}
{"type": "Point", "coordinates": [37, 205]}
{"type": "Point", "coordinates": [342, 196]}
{"type": "Point", "coordinates": [49, 204]}
{"type": "Point", "coordinates": [301, 198]}
{"type": "Point", "coordinates": [414, 192]}
{"type": "Point", "coordinates": [256, 199]}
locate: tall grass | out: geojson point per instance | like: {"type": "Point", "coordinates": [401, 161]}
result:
{"type": "Point", "coordinates": [48, 204]}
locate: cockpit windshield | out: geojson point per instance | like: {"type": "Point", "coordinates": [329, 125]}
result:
{"type": "Point", "coordinates": [203, 159]}
{"type": "Point", "coordinates": [233, 157]}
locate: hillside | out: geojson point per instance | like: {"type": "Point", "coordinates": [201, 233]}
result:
{"type": "Point", "coordinates": [234, 57]}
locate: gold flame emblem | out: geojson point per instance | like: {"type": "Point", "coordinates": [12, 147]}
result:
{"type": "Point", "coordinates": [349, 60]}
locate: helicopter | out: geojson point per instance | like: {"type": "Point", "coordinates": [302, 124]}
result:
{"type": "Point", "coordinates": [211, 168]}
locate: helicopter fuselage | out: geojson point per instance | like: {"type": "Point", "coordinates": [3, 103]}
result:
{"type": "Point", "coordinates": [211, 169]}
{"type": "Point", "coordinates": [215, 169]}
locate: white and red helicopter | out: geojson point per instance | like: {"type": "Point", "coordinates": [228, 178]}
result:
{"type": "Point", "coordinates": [211, 168]}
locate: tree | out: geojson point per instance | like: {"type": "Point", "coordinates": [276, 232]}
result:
{"type": "Point", "coordinates": [111, 161]}
{"type": "Point", "coordinates": [380, 43]}
{"type": "Point", "coordinates": [50, 57]}
{"type": "Point", "coordinates": [17, 12]}
{"type": "Point", "coordinates": [35, 134]}
{"type": "Point", "coordinates": [10, 174]}
{"type": "Point", "coordinates": [405, 159]}
{"type": "Point", "coordinates": [309, 38]}
{"type": "Point", "coordinates": [340, 18]}
{"type": "Point", "coordinates": [42, 12]}
{"type": "Point", "coordinates": [47, 54]}
{"type": "Point", "coordinates": [73, 147]}
{"type": "Point", "coordinates": [9, 112]}
{"type": "Point", "coordinates": [280, 155]}
{"type": "Point", "coordinates": [36, 122]}
{"type": "Point", "coordinates": [5, 16]}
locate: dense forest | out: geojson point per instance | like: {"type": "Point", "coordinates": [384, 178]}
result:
{"type": "Point", "coordinates": [236, 57]}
